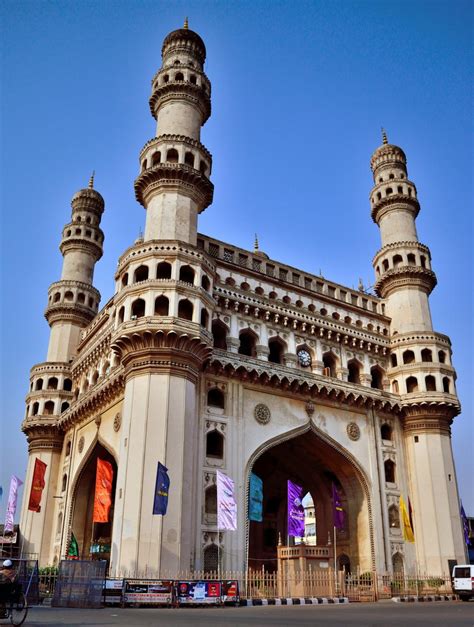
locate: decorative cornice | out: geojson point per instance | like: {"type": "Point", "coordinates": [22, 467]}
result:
{"type": "Point", "coordinates": [42, 434]}
{"type": "Point", "coordinates": [428, 418]}
{"type": "Point", "coordinates": [69, 312]}
{"type": "Point", "coordinates": [300, 383]}
{"type": "Point", "coordinates": [177, 177]}
{"type": "Point", "coordinates": [405, 276]}
{"type": "Point", "coordinates": [80, 242]}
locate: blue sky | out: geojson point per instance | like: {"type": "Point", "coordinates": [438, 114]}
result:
{"type": "Point", "coordinates": [299, 93]}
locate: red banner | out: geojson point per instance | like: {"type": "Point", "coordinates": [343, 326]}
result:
{"type": "Point", "coordinates": [103, 491]}
{"type": "Point", "coordinates": [37, 486]}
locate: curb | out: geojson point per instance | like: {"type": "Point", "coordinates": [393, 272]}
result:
{"type": "Point", "coordinates": [425, 599]}
{"type": "Point", "coordinates": [295, 601]}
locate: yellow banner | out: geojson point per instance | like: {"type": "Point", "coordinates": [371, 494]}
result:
{"type": "Point", "coordinates": [408, 534]}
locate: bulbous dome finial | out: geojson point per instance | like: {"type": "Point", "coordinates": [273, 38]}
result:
{"type": "Point", "coordinates": [384, 136]}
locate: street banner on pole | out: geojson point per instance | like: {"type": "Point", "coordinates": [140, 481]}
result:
{"type": "Point", "coordinates": [295, 510]}
{"type": "Point", "coordinates": [226, 505]}
{"type": "Point", "coordinates": [408, 534]}
{"type": "Point", "coordinates": [162, 486]}
{"type": "Point", "coordinates": [103, 491]}
{"type": "Point", "coordinates": [337, 511]}
{"type": "Point", "coordinates": [255, 498]}
{"type": "Point", "coordinates": [37, 486]}
{"type": "Point", "coordinates": [15, 483]}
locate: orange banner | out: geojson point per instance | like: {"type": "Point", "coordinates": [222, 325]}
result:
{"type": "Point", "coordinates": [37, 486]}
{"type": "Point", "coordinates": [103, 491]}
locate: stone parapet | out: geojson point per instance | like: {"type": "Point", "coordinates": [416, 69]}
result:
{"type": "Point", "coordinates": [403, 277]}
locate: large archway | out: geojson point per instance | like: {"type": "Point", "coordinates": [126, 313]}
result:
{"type": "Point", "coordinates": [93, 539]}
{"type": "Point", "coordinates": [315, 463]}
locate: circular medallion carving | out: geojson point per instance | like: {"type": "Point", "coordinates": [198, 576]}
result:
{"type": "Point", "coordinates": [80, 445]}
{"type": "Point", "coordinates": [117, 422]}
{"type": "Point", "coordinates": [262, 414]}
{"type": "Point", "coordinates": [353, 431]}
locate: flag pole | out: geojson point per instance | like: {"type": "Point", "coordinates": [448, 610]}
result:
{"type": "Point", "coordinates": [335, 560]}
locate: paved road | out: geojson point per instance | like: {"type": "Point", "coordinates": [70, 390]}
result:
{"type": "Point", "coordinates": [382, 614]}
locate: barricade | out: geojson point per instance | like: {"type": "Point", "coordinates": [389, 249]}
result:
{"type": "Point", "coordinates": [80, 584]}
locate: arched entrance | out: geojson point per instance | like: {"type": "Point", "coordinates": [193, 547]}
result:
{"type": "Point", "coordinates": [93, 539]}
{"type": "Point", "coordinates": [315, 463]}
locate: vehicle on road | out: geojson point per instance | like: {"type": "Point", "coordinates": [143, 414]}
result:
{"type": "Point", "coordinates": [463, 581]}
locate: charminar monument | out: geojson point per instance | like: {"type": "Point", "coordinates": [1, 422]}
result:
{"type": "Point", "coordinates": [209, 357]}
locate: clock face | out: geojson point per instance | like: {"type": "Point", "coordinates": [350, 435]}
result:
{"type": "Point", "coordinates": [304, 358]}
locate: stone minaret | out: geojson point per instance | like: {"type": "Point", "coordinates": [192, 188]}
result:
{"type": "Point", "coordinates": [72, 304]}
{"type": "Point", "coordinates": [420, 362]}
{"type": "Point", "coordinates": [162, 333]}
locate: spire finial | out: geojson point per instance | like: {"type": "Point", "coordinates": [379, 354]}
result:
{"type": "Point", "coordinates": [91, 180]}
{"type": "Point", "coordinates": [255, 246]}
{"type": "Point", "coordinates": [186, 25]}
{"type": "Point", "coordinates": [384, 136]}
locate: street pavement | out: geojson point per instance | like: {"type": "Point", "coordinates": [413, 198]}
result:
{"type": "Point", "coordinates": [382, 614]}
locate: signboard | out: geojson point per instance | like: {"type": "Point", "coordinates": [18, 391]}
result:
{"type": "Point", "coordinates": [199, 592]}
{"type": "Point", "coordinates": [230, 591]}
{"type": "Point", "coordinates": [148, 591]}
{"type": "Point", "coordinates": [9, 539]}
{"type": "Point", "coordinates": [113, 591]}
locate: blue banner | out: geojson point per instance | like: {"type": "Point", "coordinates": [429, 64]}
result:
{"type": "Point", "coordinates": [160, 504]}
{"type": "Point", "coordinates": [255, 498]}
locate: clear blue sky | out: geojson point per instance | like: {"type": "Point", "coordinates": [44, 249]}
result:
{"type": "Point", "coordinates": [299, 93]}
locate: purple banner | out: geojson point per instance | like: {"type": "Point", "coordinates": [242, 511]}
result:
{"type": "Point", "coordinates": [226, 505]}
{"type": "Point", "coordinates": [15, 483]}
{"type": "Point", "coordinates": [337, 511]}
{"type": "Point", "coordinates": [295, 510]}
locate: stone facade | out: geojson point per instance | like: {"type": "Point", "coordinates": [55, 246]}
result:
{"type": "Point", "coordinates": [211, 357]}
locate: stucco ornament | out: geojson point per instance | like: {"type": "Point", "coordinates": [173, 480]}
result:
{"type": "Point", "coordinates": [80, 446]}
{"type": "Point", "coordinates": [262, 414]}
{"type": "Point", "coordinates": [117, 422]}
{"type": "Point", "coordinates": [353, 431]}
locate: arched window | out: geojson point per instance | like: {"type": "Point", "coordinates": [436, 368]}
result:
{"type": "Point", "coordinates": [69, 296]}
{"type": "Point", "coordinates": [441, 357]}
{"type": "Point", "coordinates": [426, 355]}
{"type": "Point", "coordinates": [185, 309]}
{"type": "Point", "coordinates": [204, 318]}
{"type": "Point", "coordinates": [172, 155]}
{"type": "Point", "coordinates": [411, 259]}
{"type": "Point", "coordinates": [423, 261]}
{"type": "Point", "coordinates": [67, 385]}
{"type": "Point", "coordinates": [210, 500]}
{"type": "Point", "coordinates": [64, 483]}
{"type": "Point", "coordinates": [397, 261]}
{"type": "Point", "coordinates": [57, 297]}
{"type": "Point", "coordinates": [386, 432]}
{"type": "Point", "coordinates": [211, 559]}
{"type": "Point", "coordinates": [330, 363]}
{"type": "Point", "coordinates": [52, 383]}
{"type": "Point", "coordinates": [125, 279]}
{"type": "Point", "coordinates": [48, 408]}
{"type": "Point", "coordinates": [248, 342]}
{"type": "Point", "coordinates": [397, 564]}
{"type": "Point", "coordinates": [446, 385]}
{"type": "Point", "coordinates": [192, 79]}
{"type": "Point", "coordinates": [189, 159]}
{"type": "Point", "coordinates": [385, 264]}
{"type": "Point", "coordinates": [412, 385]}
{"type": "Point", "coordinates": [377, 375]}
{"type": "Point", "coordinates": [219, 331]}
{"type": "Point", "coordinates": [277, 349]}
{"type": "Point", "coordinates": [121, 315]}
{"type": "Point", "coordinates": [81, 298]}
{"type": "Point", "coordinates": [186, 274]}
{"type": "Point", "coordinates": [156, 158]}
{"type": "Point", "coordinates": [215, 398]}
{"type": "Point", "coordinates": [354, 371]}
{"type": "Point", "coordinates": [393, 517]}
{"type": "Point", "coordinates": [140, 274]}
{"type": "Point", "coordinates": [162, 306]}
{"type": "Point", "coordinates": [203, 167]}
{"type": "Point", "coordinates": [395, 388]}
{"type": "Point", "coordinates": [60, 524]}
{"type": "Point", "coordinates": [205, 283]}
{"type": "Point", "coordinates": [408, 357]}
{"type": "Point", "coordinates": [166, 78]}
{"type": "Point", "coordinates": [35, 409]}
{"type": "Point", "coordinates": [64, 406]}
{"type": "Point", "coordinates": [215, 444]}
{"type": "Point", "coordinates": [430, 383]}
{"type": "Point", "coordinates": [389, 468]}
{"type": "Point", "coordinates": [144, 165]}
{"type": "Point", "coordinates": [388, 191]}
{"type": "Point", "coordinates": [163, 270]}
{"type": "Point", "coordinates": [138, 308]}
{"type": "Point", "coordinates": [179, 76]}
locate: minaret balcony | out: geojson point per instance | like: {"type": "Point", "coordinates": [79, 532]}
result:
{"type": "Point", "coordinates": [72, 300]}
{"type": "Point", "coordinates": [83, 237]}
{"type": "Point", "coordinates": [405, 276]}
{"type": "Point", "coordinates": [381, 206]}
{"type": "Point", "coordinates": [181, 90]}
{"type": "Point", "coordinates": [174, 177]}
{"type": "Point", "coordinates": [176, 149]}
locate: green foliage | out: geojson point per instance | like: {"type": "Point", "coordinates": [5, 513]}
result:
{"type": "Point", "coordinates": [48, 570]}
{"type": "Point", "coordinates": [434, 582]}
